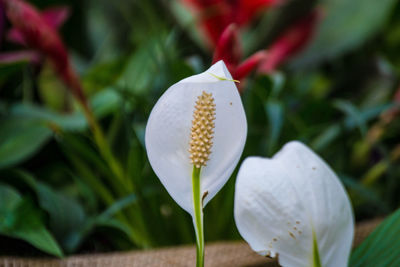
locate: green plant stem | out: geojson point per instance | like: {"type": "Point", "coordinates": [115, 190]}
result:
{"type": "Point", "coordinates": [316, 257]}
{"type": "Point", "coordinates": [122, 184]}
{"type": "Point", "coordinates": [102, 144]}
{"type": "Point", "coordinates": [198, 217]}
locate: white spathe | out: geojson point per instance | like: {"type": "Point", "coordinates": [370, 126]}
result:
{"type": "Point", "coordinates": [280, 202]}
{"type": "Point", "coordinates": [168, 135]}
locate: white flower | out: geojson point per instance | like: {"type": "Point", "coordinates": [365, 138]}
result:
{"type": "Point", "coordinates": [169, 130]}
{"type": "Point", "coordinates": [294, 205]}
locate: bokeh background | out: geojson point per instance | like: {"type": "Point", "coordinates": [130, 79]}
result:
{"type": "Point", "coordinates": [78, 84]}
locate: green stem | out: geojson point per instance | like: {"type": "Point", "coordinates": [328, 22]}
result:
{"type": "Point", "coordinates": [198, 217]}
{"type": "Point", "coordinates": [104, 149]}
{"type": "Point", "coordinates": [316, 257]}
{"type": "Point", "coordinates": [122, 185]}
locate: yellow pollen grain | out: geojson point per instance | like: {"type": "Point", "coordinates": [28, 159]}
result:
{"type": "Point", "coordinates": [202, 130]}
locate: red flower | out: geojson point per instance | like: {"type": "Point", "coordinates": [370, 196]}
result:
{"type": "Point", "coordinates": [38, 31]}
{"type": "Point", "coordinates": [221, 20]}
{"type": "Point", "coordinates": [290, 42]}
{"type": "Point", "coordinates": [2, 21]}
{"type": "Point", "coordinates": [215, 15]}
{"type": "Point", "coordinates": [228, 49]}
{"type": "Point", "coordinates": [248, 9]}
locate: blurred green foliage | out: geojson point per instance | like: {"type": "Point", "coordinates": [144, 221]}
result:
{"type": "Point", "coordinates": [60, 195]}
{"type": "Point", "coordinates": [381, 247]}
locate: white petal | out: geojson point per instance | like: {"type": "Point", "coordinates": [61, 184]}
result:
{"type": "Point", "coordinates": [280, 201]}
{"type": "Point", "coordinates": [168, 135]}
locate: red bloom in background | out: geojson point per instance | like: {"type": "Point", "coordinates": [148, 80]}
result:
{"type": "Point", "coordinates": [2, 21]}
{"type": "Point", "coordinates": [215, 15]}
{"type": "Point", "coordinates": [221, 20]}
{"type": "Point", "coordinates": [38, 31]}
{"type": "Point", "coordinates": [289, 43]}
{"type": "Point", "coordinates": [228, 49]}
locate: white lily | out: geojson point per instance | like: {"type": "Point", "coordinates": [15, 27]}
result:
{"type": "Point", "coordinates": [194, 138]}
{"type": "Point", "coordinates": [294, 205]}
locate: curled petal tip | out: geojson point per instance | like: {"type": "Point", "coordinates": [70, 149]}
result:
{"type": "Point", "coordinates": [215, 73]}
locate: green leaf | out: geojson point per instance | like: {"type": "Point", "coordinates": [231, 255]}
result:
{"type": "Point", "coordinates": [118, 206]}
{"type": "Point", "coordinates": [105, 102]}
{"type": "Point", "coordinates": [367, 114]}
{"type": "Point", "coordinates": [70, 122]}
{"type": "Point", "coordinates": [141, 69]}
{"type": "Point", "coordinates": [9, 199]}
{"type": "Point", "coordinates": [66, 216]}
{"type": "Point", "coordinates": [53, 92]}
{"type": "Point", "coordinates": [20, 139]}
{"type": "Point", "coordinates": [113, 224]}
{"type": "Point", "coordinates": [381, 248]}
{"type": "Point", "coordinates": [277, 80]}
{"type": "Point", "coordinates": [19, 218]}
{"type": "Point", "coordinates": [326, 137]}
{"type": "Point", "coordinates": [275, 113]}
{"type": "Point", "coordinates": [352, 111]}
{"type": "Point", "coordinates": [345, 26]}
{"type": "Point", "coordinates": [102, 75]}
{"type": "Point", "coordinates": [106, 218]}
{"type": "Point", "coordinates": [355, 118]}
{"type": "Point", "coordinates": [139, 129]}
{"type": "Point", "coordinates": [188, 22]}
{"type": "Point", "coordinates": [357, 189]}
{"type": "Point", "coordinates": [7, 69]}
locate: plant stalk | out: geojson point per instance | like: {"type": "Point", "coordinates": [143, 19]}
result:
{"type": "Point", "coordinates": [102, 144]}
{"type": "Point", "coordinates": [316, 257]}
{"type": "Point", "coordinates": [198, 217]}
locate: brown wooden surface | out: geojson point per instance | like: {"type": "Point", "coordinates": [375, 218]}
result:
{"type": "Point", "coordinates": [218, 254]}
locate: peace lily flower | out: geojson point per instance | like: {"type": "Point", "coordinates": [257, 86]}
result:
{"type": "Point", "coordinates": [194, 138]}
{"type": "Point", "coordinates": [294, 206]}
